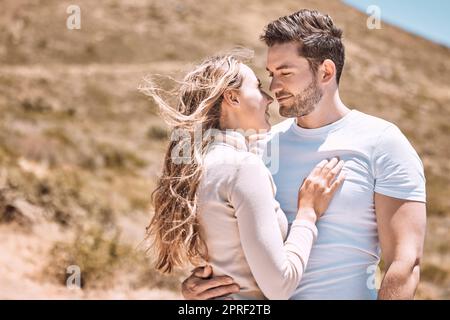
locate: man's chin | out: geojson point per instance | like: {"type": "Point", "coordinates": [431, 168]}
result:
{"type": "Point", "coordinates": [286, 111]}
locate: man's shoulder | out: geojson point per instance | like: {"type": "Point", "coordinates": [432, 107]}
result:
{"type": "Point", "coordinates": [386, 136]}
{"type": "Point", "coordinates": [372, 122]}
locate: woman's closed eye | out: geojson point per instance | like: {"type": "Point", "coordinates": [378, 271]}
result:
{"type": "Point", "coordinates": [260, 88]}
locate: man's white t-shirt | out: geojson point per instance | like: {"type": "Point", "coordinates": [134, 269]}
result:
{"type": "Point", "coordinates": [378, 158]}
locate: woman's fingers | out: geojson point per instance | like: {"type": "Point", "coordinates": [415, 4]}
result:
{"type": "Point", "coordinates": [336, 184]}
{"type": "Point", "coordinates": [329, 166]}
{"type": "Point", "coordinates": [333, 172]}
{"type": "Point", "coordinates": [318, 168]}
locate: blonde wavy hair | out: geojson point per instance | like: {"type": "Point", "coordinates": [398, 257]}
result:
{"type": "Point", "coordinates": [174, 232]}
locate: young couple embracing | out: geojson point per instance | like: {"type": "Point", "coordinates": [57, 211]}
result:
{"type": "Point", "coordinates": [347, 188]}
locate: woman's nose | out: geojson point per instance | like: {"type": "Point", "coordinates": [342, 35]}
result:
{"type": "Point", "coordinates": [269, 98]}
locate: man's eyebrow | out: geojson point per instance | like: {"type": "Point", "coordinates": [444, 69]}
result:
{"type": "Point", "coordinates": [283, 66]}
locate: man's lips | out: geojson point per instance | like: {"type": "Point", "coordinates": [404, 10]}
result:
{"type": "Point", "coordinates": [279, 99]}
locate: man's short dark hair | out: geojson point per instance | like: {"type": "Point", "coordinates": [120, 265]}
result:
{"type": "Point", "coordinates": [316, 34]}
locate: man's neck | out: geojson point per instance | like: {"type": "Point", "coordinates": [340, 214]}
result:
{"type": "Point", "coordinates": [329, 110]}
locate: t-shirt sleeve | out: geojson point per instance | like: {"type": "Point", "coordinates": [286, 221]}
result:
{"type": "Point", "coordinates": [276, 265]}
{"type": "Point", "coordinates": [398, 169]}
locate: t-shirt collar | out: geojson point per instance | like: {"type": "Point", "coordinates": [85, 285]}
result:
{"type": "Point", "coordinates": [325, 129]}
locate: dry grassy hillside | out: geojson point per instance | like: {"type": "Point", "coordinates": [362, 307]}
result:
{"type": "Point", "coordinates": [80, 148]}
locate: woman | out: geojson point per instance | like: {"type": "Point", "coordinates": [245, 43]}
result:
{"type": "Point", "coordinates": [214, 203]}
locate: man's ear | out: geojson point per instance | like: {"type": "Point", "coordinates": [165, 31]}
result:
{"type": "Point", "coordinates": [231, 97]}
{"type": "Point", "coordinates": [328, 69]}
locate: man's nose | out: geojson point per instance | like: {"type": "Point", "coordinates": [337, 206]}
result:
{"type": "Point", "coordinates": [274, 86]}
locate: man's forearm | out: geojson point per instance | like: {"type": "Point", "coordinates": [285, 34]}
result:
{"type": "Point", "coordinates": [400, 282]}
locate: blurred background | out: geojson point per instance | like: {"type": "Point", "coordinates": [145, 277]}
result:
{"type": "Point", "coordinates": [80, 148]}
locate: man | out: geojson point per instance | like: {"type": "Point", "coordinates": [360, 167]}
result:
{"type": "Point", "coordinates": [381, 204]}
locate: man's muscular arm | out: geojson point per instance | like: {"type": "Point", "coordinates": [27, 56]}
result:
{"type": "Point", "coordinates": [401, 229]}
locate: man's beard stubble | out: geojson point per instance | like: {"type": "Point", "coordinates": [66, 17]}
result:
{"type": "Point", "coordinates": [304, 102]}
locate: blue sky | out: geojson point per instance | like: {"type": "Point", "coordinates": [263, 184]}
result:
{"type": "Point", "coordinates": [427, 18]}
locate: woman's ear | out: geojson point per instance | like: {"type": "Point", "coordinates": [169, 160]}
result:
{"type": "Point", "coordinates": [231, 97]}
